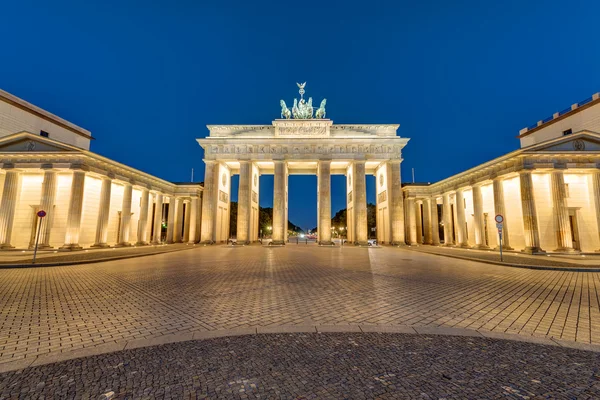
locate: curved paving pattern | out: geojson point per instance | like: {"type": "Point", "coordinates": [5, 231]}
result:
{"type": "Point", "coordinates": [48, 311]}
{"type": "Point", "coordinates": [323, 366]}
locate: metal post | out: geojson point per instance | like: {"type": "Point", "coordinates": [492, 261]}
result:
{"type": "Point", "coordinates": [37, 238]}
{"type": "Point", "coordinates": [500, 234]}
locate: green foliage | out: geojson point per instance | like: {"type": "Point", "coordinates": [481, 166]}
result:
{"type": "Point", "coordinates": [265, 220]}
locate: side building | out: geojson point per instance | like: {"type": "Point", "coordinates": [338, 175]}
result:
{"type": "Point", "coordinates": [90, 200]}
{"type": "Point", "coordinates": [548, 192]}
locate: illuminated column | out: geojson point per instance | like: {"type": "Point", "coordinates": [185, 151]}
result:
{"type": "Point", "coordinates": [103, 213]}
{"type": "Point", "coordinates": [47, 204]}
{"type": "Point", "coordinates": [447, 216]}
{"type": "Point", "coordinates": [419, 221]}
{"type": "Point", "coordinates": [142, 232]}
{"type": "Point", "coordinates": [244, 199]}
{"type": "Point", "coordinates": [324, 182]}
{"type": "Point", "coordinates": [361, 235]}
{"type": "Point", "coordinates": [460, 219]}
{"type": "Point", "coordinates": [193, 220]}
{"type": "Point", "coordinates": [435, 223]}
{"type": "Point", "coordinates": [75, 208]}
{"type": "Point", "coordinates": [396, 203]}
{"type": "Point", "coordinates": [12, 183]}
{"type": "Point", "coordinates": [478, 218]}
{"type": "Point", "coordinates": [596, 197]}
{"type": "Point", "coordinates": [499, 209]}
{"type": "Point", "coordinates": [562, 228]}
{"type": "Point", "coordinates": [279, 206]}
{"type": "Point", "coordinates": [177, 234]}
{"type": "Point", "coordinates": [427, 221]}
{"type": "Point", "coordinates": [530, 226]}
{"type": "Point", "coordinates": [412, 221]}
{"type": "Point", "coordinates": [125, 216]}
{"type": "Point", "coordinates": [171, 219]}
{"type": "Point", "coordinates": [186, 222]}
{"type": "Point", "coordinates": [158, 219]}
{"type": "Point", "coordinates": [209, 201]}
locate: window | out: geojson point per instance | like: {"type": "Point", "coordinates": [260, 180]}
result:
{"type": "Point", "coordinates": [44, 134]}
{"type": "Point", "coordinates": [567, 132]}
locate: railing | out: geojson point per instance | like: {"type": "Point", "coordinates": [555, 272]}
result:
{"type": "Point", "coordinates": [563, 112]}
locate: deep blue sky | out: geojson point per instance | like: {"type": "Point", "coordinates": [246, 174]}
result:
{"type": "Point", "coordinates": [146, 77]}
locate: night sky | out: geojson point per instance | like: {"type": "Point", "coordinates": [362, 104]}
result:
{"type": "Point", "coordinates": [146, 77]}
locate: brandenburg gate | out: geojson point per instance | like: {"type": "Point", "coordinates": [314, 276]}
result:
{"type": "Point", "coordinates": [300, 143]}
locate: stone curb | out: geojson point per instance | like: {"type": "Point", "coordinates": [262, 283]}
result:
{"type": "Point", "coordinates": [98, 260]}
{"type": "Point", "coordinates": [504, 264]}
{"type": "Point", "coordinates": [286, 329]}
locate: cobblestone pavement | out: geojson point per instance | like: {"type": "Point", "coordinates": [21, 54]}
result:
{"type": "Point", "coordinates": [60, 309]}
{"type": "Point", "coordinates": [548, 260]}
{"type": "Point", "coordinates": [320, 366]}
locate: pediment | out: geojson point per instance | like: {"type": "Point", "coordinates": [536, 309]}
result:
{"type": "Point", "coordinates": [33, 144]}
{"type": "Point", "coordinates": [583, 142]}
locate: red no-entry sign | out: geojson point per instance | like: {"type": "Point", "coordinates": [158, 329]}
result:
{"type": "Point", "coordinates": [41, 213]}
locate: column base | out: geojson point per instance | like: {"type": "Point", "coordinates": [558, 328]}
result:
{"type": "Point", "coordinates": [123, 244]}
{"type": "Point", "coordinates": [398, 244]}
{"type": "Point", "coordinates": [566, 250]}
{"type": "Point", "coordinates": [100, 245]}
{"type": "Point", "coordinates": [205, 242]}
{"type": "Point", "coordinates": [366, 244]}
{"type": "Point", "coordinates": [191, 242]}
{"type": "Point", "coordinates": [71, 247]}
{"type": "Point", "coordinates": [463, 246]}
{"type": "Point", "coordinates": [141, 243]}
{"type": "Point", "coordinates": [448, 245]}
{"type": "Point", "coordinates": [481, 247]}
{"type": "Point", "coordinates": [326, 243]}
{"type": "Point", "coordinates": [532, 250]}
{"type": "Point", "coordinates": [504, 247]}
{"type": "Point", "coordinates": [41, 247]}
{"type": "Point", "coordinates": [6, 246]}
{"type": "Point", "coordinates": [277, 243]}
{"type": "Point", "coordinates": [436, 244]}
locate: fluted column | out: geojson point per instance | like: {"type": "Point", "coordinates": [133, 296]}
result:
{"type": "Point", "coordinates": [447, 216]}
{"type": "Point", "coordinates": [427, 221]}
{"type": "Point", "coordinates": [279, 206]}
{"type": "Point", "coordinates": [396, 203]}
{"type": "Point", "coordinates": [125, 216]}
{"type": "Point", "coordinates": [435, 223]}
{"type": "Point", "coordinates": [412, 221]}
{"type": "Point", "coordinates": [562, 228]}
{"type": "Point", "coordinates": [8, 204]}
{"type": "Point", "coordinates": [361, 234]}
{"type": "Point", "coordinates": [596, 197]}
{"type": "Point", "coordinates": [209, 203]}
{"type": "Point", "coordinates": [499, 209]}
{"type": "Point", "coordinates": [530, 224]}
{"type": "Point", "coordinates": [419, 221]}
{"type": "Point", "coordinates": [478, 218]}
{"type": "Point", "coordinates": [324, 182]}
{"type": "Point", "coordinates": [171, 219]}
{"type": "Point", "coordinates": [177, 235]}
{"type": "Point", "coordinates": [158, 219]}
{"type": "Point", "coordinates": [142, 231]}
{"type": "Point", "coordinates": [47, 204]}
{"type": "Point", "coordinates": [460, 219]}
{"type": "Point", "coordinates": [193, 218]}
{"type": "Point", "coordinates": [103, 213]}
{"type": "Point", "coordinates": [244, 200]}
{"type": "Point", "coordinates": [75, 210]}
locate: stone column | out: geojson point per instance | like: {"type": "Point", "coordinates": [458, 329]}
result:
{"type": "Point", "coordinates": [177, 235]}
{"type": "Point", "coordinates": [412, 221]}
{"type": "Point", "coordinates": [435, 223]}
{"type": "Point", "coordinates": [47, 204]}
{"type": "Point", "coordinates": [103, 213]}
{"type": "Point", "coordinates": [125, 216]}
{"type": "Point", "coordinates": [324, 182]}
{"type": "Point", "coordinates": [171, 219]}
{"type": "Point", "coordinates": [499, 209]}
{"type": "Point", "coordinates": [530, 224]}
{"type": "Point", "coordinates": [478, 218]}
{"type": "Point", "coordinates": [209, 200]}
{"type": "Point", "coordinates": [279, 206]}
{"type": "Point", "coordinates": [186, 223]}
{"type": "Point", "coordinates": [142, 231]}
{"type": "Point", "coordinates": [75, 211]}
{"type": "Point", "coordinates": [244, 201]}
{"type": "Point", "coordinates": [419, 220]}
{"type": "Point", "coordinates": [193, 206]}
{"type": "Point", "coordinates": [427, 221]}
{"type": "Point", "coordinates": [562, 228]}
{"type": "Point", "coordinates": [596, 197]}
{"type": "Point", "coordinates": [395, 203]}
{"type": "Point", "coordinates": [460, 219]}
{"type": "Point", "coordinates": [361, 233]}
{"type": "Point", "coordinates": [158, 219]}
{"type": "Point", "coordinates": [447, 216]}
{"type": "Point", "coordinates": [8, 204]}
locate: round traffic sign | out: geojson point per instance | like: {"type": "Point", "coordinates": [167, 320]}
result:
{"type": "Point", "coordinates": [499, 218]}
{"type": "Point", "coordinates": [41, 213]}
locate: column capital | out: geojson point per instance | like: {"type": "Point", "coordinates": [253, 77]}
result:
{"type": "Point", "coordinates": [79, 167]}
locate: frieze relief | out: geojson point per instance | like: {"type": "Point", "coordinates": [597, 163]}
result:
{"type": "Point", "coordinates": [303, 149]}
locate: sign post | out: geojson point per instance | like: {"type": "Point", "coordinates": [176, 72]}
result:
{"type": "Point", "coordinates": [41, 214]}
{"type": "Point", "coordinates": [499, 220]}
